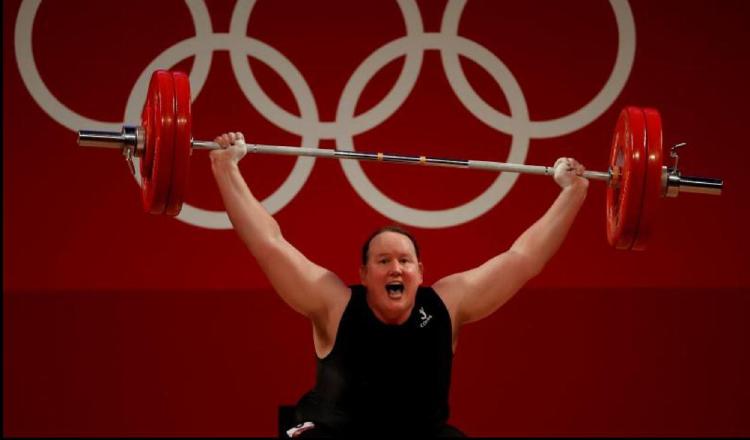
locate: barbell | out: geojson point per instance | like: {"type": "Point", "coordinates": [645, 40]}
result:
{"type": "Point", "coordinates": [636, 177]}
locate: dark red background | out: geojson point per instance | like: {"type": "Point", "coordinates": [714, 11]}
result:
{"type": "Point", "coordinates": [121, 323]}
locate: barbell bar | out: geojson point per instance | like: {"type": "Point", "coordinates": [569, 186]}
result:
{"type": "Point", "coordinates": [106, 139]}
{"type": "Point", "coordinates": [636, 176]}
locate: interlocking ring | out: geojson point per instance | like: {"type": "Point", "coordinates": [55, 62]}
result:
{"type": "Point", "coordinates": [347, 125]}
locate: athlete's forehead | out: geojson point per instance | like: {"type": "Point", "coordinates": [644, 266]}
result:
{"type": "Point", "coordinates": [389, 242]}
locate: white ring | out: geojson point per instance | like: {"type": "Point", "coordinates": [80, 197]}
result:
{"type": "Point", "coordinates": [47, 101]}
{"type": "Point", "coordinates": [309, 123]}
{"type": "Point", "coordinates": [501, 185]}
{"type": "Point", "coordinates": [553, 127]}
{"type": "Point", "coordinates": [303, 165]}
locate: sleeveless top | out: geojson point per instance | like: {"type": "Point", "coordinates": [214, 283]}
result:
{"type": "Point", "coordinates": [380, 378]}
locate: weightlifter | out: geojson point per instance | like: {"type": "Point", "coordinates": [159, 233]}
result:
{"type": "Point", "coordinates": [385, 347]}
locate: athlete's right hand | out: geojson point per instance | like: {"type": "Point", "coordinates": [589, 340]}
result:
{"type": "Point", "coordinates": [233, 148]}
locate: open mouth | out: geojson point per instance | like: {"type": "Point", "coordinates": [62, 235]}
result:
{"type": "Point", "coordinates": [395, 290]}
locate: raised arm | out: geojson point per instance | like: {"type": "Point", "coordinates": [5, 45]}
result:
{"type": "Point", "coordinates": [476, 293]}
{"type": "Point", "coordinates": [308, 288]}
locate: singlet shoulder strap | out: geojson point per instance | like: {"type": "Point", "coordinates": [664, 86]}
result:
{"type": "Point", "coordinates": [427, 295]}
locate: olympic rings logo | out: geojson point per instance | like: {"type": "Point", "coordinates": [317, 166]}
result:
{"type": "Point", "coordinates": [346, 125]}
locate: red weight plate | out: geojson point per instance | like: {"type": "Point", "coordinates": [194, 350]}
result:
{"type": "Point", "coordinates": [147, 122]}
{"type": "Point", "coordinates": [628, 159]}
{"type": "Point", "coordinates": [156, 184]}
{"type": "Point", "coordinates": [652, 184]}
{"type": "Point", "coordinates": [182, 145]}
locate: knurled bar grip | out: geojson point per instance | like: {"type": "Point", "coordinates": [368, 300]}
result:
{"type": "Point", "coordinates": [387, 157]}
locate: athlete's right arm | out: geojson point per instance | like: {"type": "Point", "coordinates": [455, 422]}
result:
{"type": "Point", "coordinates": [307, 287]}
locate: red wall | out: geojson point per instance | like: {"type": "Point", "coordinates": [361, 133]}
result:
{"type": "Point", "coordinates": [121, 323]}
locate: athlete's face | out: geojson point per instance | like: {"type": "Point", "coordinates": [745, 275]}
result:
{"type": "Point", "coordinates": [392, 275]}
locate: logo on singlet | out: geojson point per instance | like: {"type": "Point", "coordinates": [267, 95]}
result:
{"type": "Point", "coordinates": [425, 317]}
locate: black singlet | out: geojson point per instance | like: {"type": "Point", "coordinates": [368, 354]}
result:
{"type": "Point", "coordinates": [382, 379]}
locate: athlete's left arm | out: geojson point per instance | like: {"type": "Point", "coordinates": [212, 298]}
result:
{"type": "Point", "coordinates": [477, 293]}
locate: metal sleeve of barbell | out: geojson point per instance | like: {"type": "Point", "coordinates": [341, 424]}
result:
{"type": "Point", "coordinates": [388, 157]}
{"type": "Point", "coordinates": [700, 185]}
{"type": "Point", "coordinates": [108, 139]}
